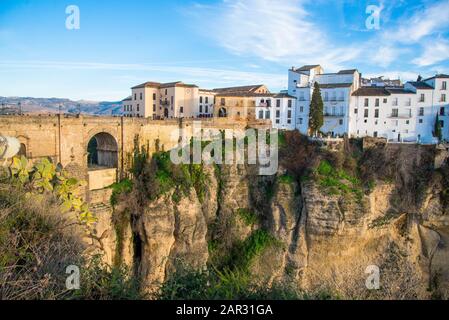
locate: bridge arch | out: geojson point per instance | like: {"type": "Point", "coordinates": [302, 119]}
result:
{"type": "Point", "coordinates": [102, 151]}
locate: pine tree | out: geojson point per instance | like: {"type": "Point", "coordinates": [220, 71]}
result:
{"type": "Point", "coordinates": [438, 133]}
{"type": "Point", "coordinates": [316, 110]}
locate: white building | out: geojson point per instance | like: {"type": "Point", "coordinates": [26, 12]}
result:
{"type": "Point", "coordinates": [336, 90]}
{"type": "Point", "coordinates": [280, 108]}
{"type": "Point", "coordinates": [398, 113]}
{"type": "Point", "coordinates": [383, 112]}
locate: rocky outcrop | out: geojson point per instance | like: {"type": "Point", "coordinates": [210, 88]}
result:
{"type": "Point", "coordinates": [327, 242]}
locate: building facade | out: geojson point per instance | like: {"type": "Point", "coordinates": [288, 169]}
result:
{"type": "Point", "coordinates": [336, 91]}
{"type": "Point", "coordinates": [353, 106]}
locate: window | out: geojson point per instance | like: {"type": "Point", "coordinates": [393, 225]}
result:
{"type": "Point", "coordinates": [171, 100]}
{"type": "Point", "coordinates": [421, 111]}
{"type": "Point", "coordinates": [301, 96]}
{"type": "Point", "coordinates": [135, 96]}
{"type": "Point", "coordinates": [366, 102]}
{"type": "Point", "coordinates": [278, 114]}
{"type": "Point", "coordinates": [207, 109]}
{"type": "Point", "coordinates": [300, 120]}
{"type": "Point", "coordinates": [408, 102]}
{"type": "Point", "coordinates": [442, 123]}
{"type": "Point", "coordinates": [289, 114]}
{"type": "Point", "coordinates": [201, 108]}
{"type": "Point", "coordinates": [375, 134]}
{"type": "Point", "coordinates": [207, 99]}
{"type": "Point", "coordinates": [377, 102]}
{"type": "Point", "coordinates": [278, 121]}
{"type": "Point", "coordinates": [268, 103]}
{"type": "Point", "coordinates": [394, 112]}
{"type": "Point", "coordinates": [443, 98]}
{"type": "Point", "coordinates": [181, 109]}
{"type": "Point", "coordinates": [366, 113]}
{"type": "Point", "coordinates": [340, 122]}
{"type": "Point", "coordinates": [376, 113]}
{"type": "Point", "coordinates": [278, 103]}
{"type": "Point", "coordinates": [267, 114]}
{"type": "Point", "coordinates": [442, 111]}
{"type": "Point", "coordinates": [326, 96]}
{"type": "Point", "coordinates": [356, 110]}
{"type": "Point", "coordinates": [154, 96]}
{"type": "Point", "coordinates": [138, 107]}
{"type": "Point", "coordinates": [301, 109]}
{"type": "Point", "coordinates": [420, 121]}
{"type": "Point", "coordinates": [289, 103]}
{"type": "Point", "coordinates": [422, 98]}
{"type": "Point", "coordinates": [395, 102]}
{"type": "Point", "coordinates": [407, 122]}
{"type": "Point", "coordinates": [154, 108]}
{"type": "Point", "coordinates": [289, 121]}
{"type": "Point", "coordinates": [201, 99]}
{"type": "Point", "coordinates": [223, 101]}
{"type": "Point", "coordinates": [385, 100]}
{"type": "Point", "coordinates": [444, 85]}
{"type": "Point", "coordinates": [141, 96]}
{"type": "Point", "coordinates": [261, 114]}
{"type": "Point", "coordinates": [165, 91]}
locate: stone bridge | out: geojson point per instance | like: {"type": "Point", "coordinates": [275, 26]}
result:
{"type": "Point", "coordinates": [100, 149]}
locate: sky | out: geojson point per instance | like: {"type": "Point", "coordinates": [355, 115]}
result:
{"type": "Point", "coordinates": [211, 43]}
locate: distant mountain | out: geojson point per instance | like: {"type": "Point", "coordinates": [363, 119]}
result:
{"type": "Point", "coordinates": [51, 105]}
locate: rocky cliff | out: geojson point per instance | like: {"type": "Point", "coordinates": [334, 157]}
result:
{"type": "Point", "coordinates": [320, 227]}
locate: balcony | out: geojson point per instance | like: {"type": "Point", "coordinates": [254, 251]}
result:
{"type": "Point", "coordinates": [400, 116]}
{"type": "Point", "coordinates": [263, 105]}
{"type": "Point", "coordinates": [333, 115]}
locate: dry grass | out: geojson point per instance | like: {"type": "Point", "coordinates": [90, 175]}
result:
{"type": "Point", "coordinates": [36, 246]}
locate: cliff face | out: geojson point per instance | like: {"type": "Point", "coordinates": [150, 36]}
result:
{"type": "Point", "coordinates": [325, 240]}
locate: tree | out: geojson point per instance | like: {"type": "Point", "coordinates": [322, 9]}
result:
{"type": "Point", "coordinates": [419, 78]}
{"type": "Point", "coordinates": [438, 133]}
{"type": "Point", "coordinates": [316, 110]}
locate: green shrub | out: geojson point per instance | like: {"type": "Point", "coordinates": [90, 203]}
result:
{"type": "Point", "coordinates": [123, 187]}
{"type": "Point", "coordinates": [286, 179]}
{"type": "Point", "coordinates": [244, 253]}
{"type": "Point", "coordinates": [248, 216]}
{"type": "Point", "coordinates": [102, 282]}
{"type": "Point", "coordinates": [186, 284]}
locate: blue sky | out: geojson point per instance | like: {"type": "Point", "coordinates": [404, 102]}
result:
{"type": "Point", "coordinates": [210, 43]}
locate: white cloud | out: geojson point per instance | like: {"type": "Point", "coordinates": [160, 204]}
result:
{"type": "Point", "coordinates": [431, 20]}
{"type": "Point", "coordinates": [434, 52]}
{"type": "Point", "coordinates": [274, 30]}
{"type": "Point", "coordinates": [201, 76]}
{"type": "Point", "coordinates": [385, 55]}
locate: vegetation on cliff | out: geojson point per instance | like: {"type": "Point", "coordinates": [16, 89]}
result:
{"type": "Point", "coordinates": [40, 238]}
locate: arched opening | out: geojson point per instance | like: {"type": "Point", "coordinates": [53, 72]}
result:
{"type": "Point", "coordinates": [102, 151]}
{"type": "Point", "coordinates": [22, 150]}
{"type": "Point", "coordinates": [222, 113]}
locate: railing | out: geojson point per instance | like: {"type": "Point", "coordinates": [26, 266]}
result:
{"type": "Point", "coordinates": [400, 116]}
{"type": "Point", "coordinates": [334, 115]}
